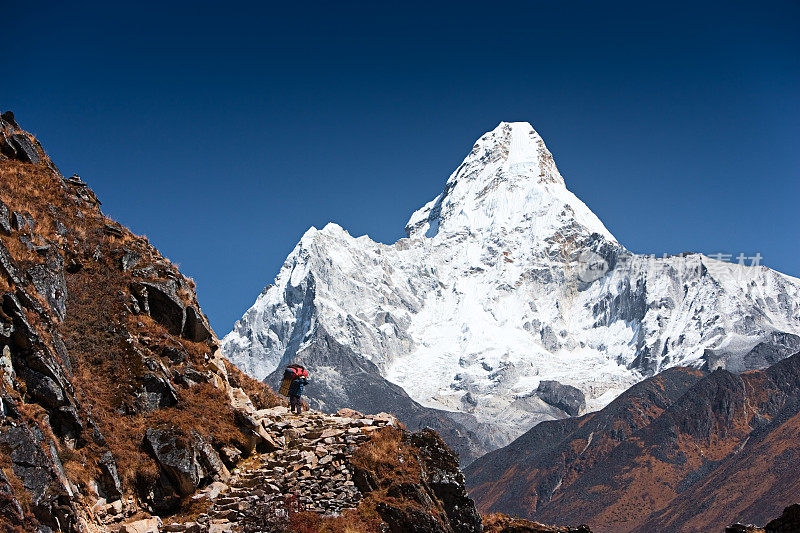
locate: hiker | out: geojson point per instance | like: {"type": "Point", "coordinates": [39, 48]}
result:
{"type": "Point", "coordinates": [295, 392]}
{"type": "Point", "coordinates": [295, 377]}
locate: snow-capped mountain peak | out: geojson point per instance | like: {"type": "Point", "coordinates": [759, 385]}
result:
{"type": "Point", "coordinates": [507, 280]}
{"type": "Point", "coordinates": [508, 180]}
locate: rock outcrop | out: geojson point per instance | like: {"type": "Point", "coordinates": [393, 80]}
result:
{"type": "Point", "coordinates": [364, 469]}
{"type": "Point", "coordinates": [565, 397]}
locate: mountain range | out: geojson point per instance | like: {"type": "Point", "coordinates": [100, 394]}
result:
{"type": "Point", "coordinates": [508, 303]}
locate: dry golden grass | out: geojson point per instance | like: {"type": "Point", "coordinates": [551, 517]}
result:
{"type": "Point", "coordinates": [388, 457]}
{"type": "Point", "coordinates": [500, 523]}
{"type": "Point", "coordinates": [262, 395]}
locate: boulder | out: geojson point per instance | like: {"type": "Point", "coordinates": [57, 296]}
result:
{"type": "Point", "coordinates": [178, 458]}
{"type": "Point", "coordinates": [230, 455]}
{"type": "Point", "coordinates": [565, 397]}
{"type": "Point", "coordinates": [148, 525]}
{"type": "Point", "coordinates": [210, 460]}
{"type": "Point", "coordinates": [349, 413]}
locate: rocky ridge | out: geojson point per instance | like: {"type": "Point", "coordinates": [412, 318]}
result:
{"type": "Point", "coordinates": [682, 451]}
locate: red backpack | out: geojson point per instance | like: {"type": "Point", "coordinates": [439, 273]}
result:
{"type": "Point", "coordinates": [295, 371]}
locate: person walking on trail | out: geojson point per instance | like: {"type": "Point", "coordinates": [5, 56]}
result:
{"type": "Point", "coordinates": [296, 392]}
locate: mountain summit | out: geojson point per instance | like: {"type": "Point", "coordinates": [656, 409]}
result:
{"type": "Point", "coordinates": [508, 181]}
{"type": "Point", "coordinates": [507, 304]}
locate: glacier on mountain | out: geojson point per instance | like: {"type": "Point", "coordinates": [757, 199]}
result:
{"type": "Point", "coordinates": [507, 279]}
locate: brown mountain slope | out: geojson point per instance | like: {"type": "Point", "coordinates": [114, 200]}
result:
{"type": "Point", "coordinates": [685, 470]}
{"type": "Point", "coordinates": [523, 477]}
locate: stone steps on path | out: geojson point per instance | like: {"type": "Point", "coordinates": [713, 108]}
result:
{"type": "Point", "coordinates": [309, 471]}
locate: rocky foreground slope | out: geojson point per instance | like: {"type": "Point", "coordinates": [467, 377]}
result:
{"type": "Point", "coordinates": [118, 413]}
{"type": "Point", "coordinates": [507, 280]}
{"type": "Point", "coordinates": [682, 451]}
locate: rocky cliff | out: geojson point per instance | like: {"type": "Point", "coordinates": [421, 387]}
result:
{"type": "Point", "coordinates": [680, 451]}
{"type": "Point", "coordinates": [115, 398]}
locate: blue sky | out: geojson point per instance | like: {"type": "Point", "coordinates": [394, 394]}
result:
{"type": "Point", "coordinates": [224, 132]}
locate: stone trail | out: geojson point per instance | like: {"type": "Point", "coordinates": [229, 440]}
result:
{"type": "Point", "coordinates": [308, 470]}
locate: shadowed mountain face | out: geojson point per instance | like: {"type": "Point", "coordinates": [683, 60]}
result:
{"type": "Point", "coordinates": [677, 452]}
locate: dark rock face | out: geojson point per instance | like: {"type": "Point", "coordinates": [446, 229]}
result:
{"type": "Point", "coordinates": [50, 496]}
{"type": "Point", "coordinates": [48, 279]}
{"type": "Point", "coordinates": [164, 305]}
{"type": "Point", "coordinates": [442, 474]}
{"type": "Point", "coordinates": [565, 397]}
{"type": "Point", "coordinates": [44, 390]}
{"type": "Point", "coordinates": [177, 457]}
{"type": "Point", "coordinates": [26, 151]}
{"type": "Point", "coordinates": [109, 482]}
{"type": "Point", "coordinates": [196, 328]}
{"type": "Point", "coordinates": [788, 521]}
{"type": "Point", "coordinates": [409, 520]}
{"type": "Point", "coordinates": [160, 300]}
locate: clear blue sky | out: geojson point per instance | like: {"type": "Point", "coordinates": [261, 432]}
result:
{"type": "Point", "coordinates": [223, 131]}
